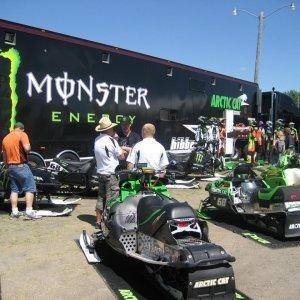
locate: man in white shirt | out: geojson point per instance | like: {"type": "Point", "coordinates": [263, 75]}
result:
{"type": "Point", "coordinates": [107, 153]}
{"type": "Point", "coordinates": [148, 151]}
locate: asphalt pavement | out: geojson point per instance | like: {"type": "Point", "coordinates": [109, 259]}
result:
{"type": "Point", "coordinates": [41, 260]}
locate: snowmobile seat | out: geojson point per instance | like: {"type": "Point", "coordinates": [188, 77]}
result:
{"type": "Point", "coordinates": [154, 211]}
{"type": "Point", "coordinates": [77, 166]}
{"type": "Point", "coordinates": [178, 157]}
{"type": "Point", "coordinates": [244, 171]}
{"type": "Point", "coordinates": [236, 182]}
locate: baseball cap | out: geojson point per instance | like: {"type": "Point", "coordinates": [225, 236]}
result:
{"type": "Point", "coordinates": [125, 120]}
{"type": "Point", "coordinates": [19, 125]}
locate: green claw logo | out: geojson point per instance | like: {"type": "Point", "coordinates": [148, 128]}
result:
{"type": "Point", "coordinates": [14, 57]}
{"type": "Point", "coordinates": [199, 158]}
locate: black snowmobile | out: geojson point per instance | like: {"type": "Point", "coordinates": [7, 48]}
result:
{"type": "Point", "coordinates": [47, 186]}
{"type": "Point", "coordinates": [146, 224]}
{"type": "Point", "coordinates": [76, 177]}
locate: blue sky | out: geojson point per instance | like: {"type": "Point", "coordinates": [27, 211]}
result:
{"type": "Point", "coordinates": [201, 33]}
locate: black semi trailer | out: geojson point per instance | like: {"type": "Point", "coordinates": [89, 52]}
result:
{"type": "Point", "coordinates": [59, 86]}
{"type": "Point", "coordinates": [276, 105]}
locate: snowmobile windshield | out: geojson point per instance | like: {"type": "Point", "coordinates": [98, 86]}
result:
{"type": "Point", "coordinates": [248, 188]}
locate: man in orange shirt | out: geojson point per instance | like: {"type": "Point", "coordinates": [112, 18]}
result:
{"type": "Point", "coordinates": [15, 147]}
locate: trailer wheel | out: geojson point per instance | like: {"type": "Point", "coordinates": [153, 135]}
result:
{"type": "Point", "coordinates": [68, 155]}
{"type": "Point", "coordinates": [36, 160]}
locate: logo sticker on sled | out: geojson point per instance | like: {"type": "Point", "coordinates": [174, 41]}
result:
{"type": "Point", "coordinates": [294, 226]}
{"type": "Point", "coordinates": [181, 143]}
{"type": "Point", "coordinates": [211, 282]}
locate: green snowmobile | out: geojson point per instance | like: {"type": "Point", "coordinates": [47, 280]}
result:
{"type": "Point", "coordinates": [147, 225]}
{"type": "Point", "coordinates": [271, 202]}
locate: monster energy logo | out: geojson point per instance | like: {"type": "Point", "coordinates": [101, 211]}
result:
{"type": "Point", "coordinates": [14, 57]}
{"type": "Point", "coordinates": [198, 158]}
{"type": "Point", "coordinates": [101, 93]}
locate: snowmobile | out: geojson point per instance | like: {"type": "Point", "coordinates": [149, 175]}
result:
{"type": "Point", "coordinates": [47, 186]}
{"type": "Point", "coordinates": [76, 177]}
{"type": "Point", "coordinates": [271, 203]}
{"type": "Point", "coordinates": [147, 225]}
{"type": "Point", "coordinates": [203, 157]}
{"type": "Point", "coordinates": [286, 173]}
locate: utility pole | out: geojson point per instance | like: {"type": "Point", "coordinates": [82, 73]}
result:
{"type": "Point", "coordinates": [261, 20]}
{"type": "Point", "coordinates": [259, 46]}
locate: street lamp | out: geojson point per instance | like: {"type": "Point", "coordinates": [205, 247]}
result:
{"type": "Point", "coordinates": [261, 18]}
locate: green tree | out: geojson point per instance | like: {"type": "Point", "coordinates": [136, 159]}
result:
{"type": "Point", "coordinates": [295, 95]}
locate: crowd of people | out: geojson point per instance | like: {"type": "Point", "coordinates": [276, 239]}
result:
{"type": "Point", "coordinates": [259, 141]}
{"type": "Point", "coordinates": [119, 146]}
{"type": "Point", "coordinates": [112, 148]}
{"type": "Point", "coordinates": [267, 144]}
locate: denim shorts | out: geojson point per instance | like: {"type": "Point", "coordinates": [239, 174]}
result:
{"type": "Point", "coordinates": [21, 179]}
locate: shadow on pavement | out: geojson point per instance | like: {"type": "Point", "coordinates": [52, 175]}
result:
{"type": "Point", "coordinates": [91, 219]}
{"type": "Point", "coordinates": [236, 224]}
{"type": "Point", "coordinates": [126, 275]}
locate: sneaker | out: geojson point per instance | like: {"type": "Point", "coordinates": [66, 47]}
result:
{"type": "Point", "coordinates": [16, 215]}
{"type": "Point", "coordinates": [32, 215]}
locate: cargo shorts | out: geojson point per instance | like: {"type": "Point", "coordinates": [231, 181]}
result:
{"type": "Point", "coordinates": [108, 190]}
{"type": "Point", "coordinates": [21, 179]}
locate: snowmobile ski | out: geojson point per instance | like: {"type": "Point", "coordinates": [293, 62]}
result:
{"type": "Point", "coordinates": [179, 181]}
{"type": "Point", "coordinates": [49, 213]}
{"type": "Point", "coordinates": [86, 244]}
{"type": "Point", "coordinates": [66, 201]}
{"type": "Point", "coordinates": [182, 186]}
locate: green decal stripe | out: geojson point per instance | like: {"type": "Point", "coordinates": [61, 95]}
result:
{"type": "Point", "coordinates": [127, 294]}
{"type": "Point", "coordinates": [239, 296]}
{"type": "Point", "coordinates": [202, 215]}
{"type": "Point", "coordinates": [13, 55]}
{"type": "Point", "coordinates": [154, 214]}
{"type": "Point", "coordinates": [255, 237]}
